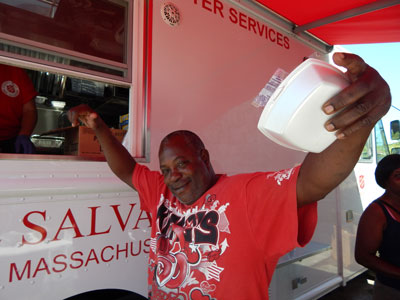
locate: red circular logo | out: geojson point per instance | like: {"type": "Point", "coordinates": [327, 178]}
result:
{"type": "Point", "coordinates": [10, 89]}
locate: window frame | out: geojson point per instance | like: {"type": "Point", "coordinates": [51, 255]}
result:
{"type": "Point", "coordinates": [137, 79]}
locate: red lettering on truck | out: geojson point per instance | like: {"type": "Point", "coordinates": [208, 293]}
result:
{"type": "Point", "coordinates": [69, 223]}
{"type": "Point", "coordinates": [258, 28]}
{"type": "Point", "coordinates": [74, 226]}
{"type": "Point", "coordinates": [214, 6]}
{"type": "Point", "coordinates": [29, 224]}
{"type": "Point", "coordinates": [13, 269]}
{"type": "Point", "coordinates": [78, 259]}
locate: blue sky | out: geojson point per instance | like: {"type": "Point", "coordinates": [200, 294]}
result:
{"type": "Point", "coordinates": [385, 58]}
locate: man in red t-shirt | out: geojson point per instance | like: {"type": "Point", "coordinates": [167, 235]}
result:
{"type": "Point", "coordinates": [220, 237]}
{"type": "Point", "coordinates": [227, 234]}
{"type": "Point", "coordinates": [18, 113]}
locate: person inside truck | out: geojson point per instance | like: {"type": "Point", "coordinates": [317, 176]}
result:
{"type": "Point", "coordinates": [220, 237]}
{"type": "Point", "coordinates": [18, 115]}
{"type": "Point", "coordinates": [379, 232]}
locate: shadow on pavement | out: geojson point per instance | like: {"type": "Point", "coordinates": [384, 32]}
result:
{"type": "Point", "coordinates": [356, 289]}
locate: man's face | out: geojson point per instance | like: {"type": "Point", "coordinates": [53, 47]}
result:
{"type": "Point", "coordinates": [185, 169]}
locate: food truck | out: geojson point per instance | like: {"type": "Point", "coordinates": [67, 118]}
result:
{"type": "Point", "coordinates": [69, 228]}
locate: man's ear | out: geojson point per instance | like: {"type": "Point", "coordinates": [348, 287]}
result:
{"type": "Point", "coordinates": [205, 156]}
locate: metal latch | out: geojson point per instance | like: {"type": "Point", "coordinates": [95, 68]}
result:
{"type": "Point", "coordinates": [297, 281]}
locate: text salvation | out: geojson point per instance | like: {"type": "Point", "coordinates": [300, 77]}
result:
{"type": "Point", "coordinates": [69, 223]}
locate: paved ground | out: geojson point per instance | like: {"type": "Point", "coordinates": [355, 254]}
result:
{"type": "Point", "coordinates": [356, 289]}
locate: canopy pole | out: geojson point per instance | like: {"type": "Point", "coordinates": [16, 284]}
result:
{"type": "Point", "coordinates": [373, 6]}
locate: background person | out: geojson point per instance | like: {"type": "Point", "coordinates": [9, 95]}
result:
{"type": "Point", "coordinates": [220, 237]}
{"type": "Point", "coordinates": [379, 232]}
{"type": "Point", "coordinates": [18, 114]}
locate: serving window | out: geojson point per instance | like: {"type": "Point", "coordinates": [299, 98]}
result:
{"type": "Point", "coordinates": [79, 52]}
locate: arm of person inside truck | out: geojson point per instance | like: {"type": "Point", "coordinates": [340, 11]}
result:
{"type": "Point", "coordinates": [362, 104]}
{"type": "Point", "coordinates": [23, 143]}
{"type": "Point", "coordinates": [118, 158]}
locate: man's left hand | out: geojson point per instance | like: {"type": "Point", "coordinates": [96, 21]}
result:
{"type": "Point", "coordinates": [363, 102]}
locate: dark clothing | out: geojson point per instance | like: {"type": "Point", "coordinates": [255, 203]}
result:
{"type": "Point", "coordinates": [389, 249]}
{"type": "Point", "coordinates": [384, 292]}
{"type": "Point", "coordinates": [7, 146]}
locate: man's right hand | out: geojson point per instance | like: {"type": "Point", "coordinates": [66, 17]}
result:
{"type": "Point", "coordinates": [83, 113]}
{"type": "Point", "coordinates": [118, 158]}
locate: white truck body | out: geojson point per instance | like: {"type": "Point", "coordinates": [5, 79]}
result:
{"type": "Point", "coordinates": [69, 226]}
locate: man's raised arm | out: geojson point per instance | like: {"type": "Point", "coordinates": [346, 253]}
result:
{"type": "Point", "coordinates": [364, 102]}
{"type": "Point", "coordinates": [118, 158]}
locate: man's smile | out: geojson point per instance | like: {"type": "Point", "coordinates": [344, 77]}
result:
{"type": "Point", "coordinates": [180, 187]}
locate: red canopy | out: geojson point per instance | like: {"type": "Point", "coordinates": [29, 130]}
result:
{"type": "Point", "coordinates": [341, 22]}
